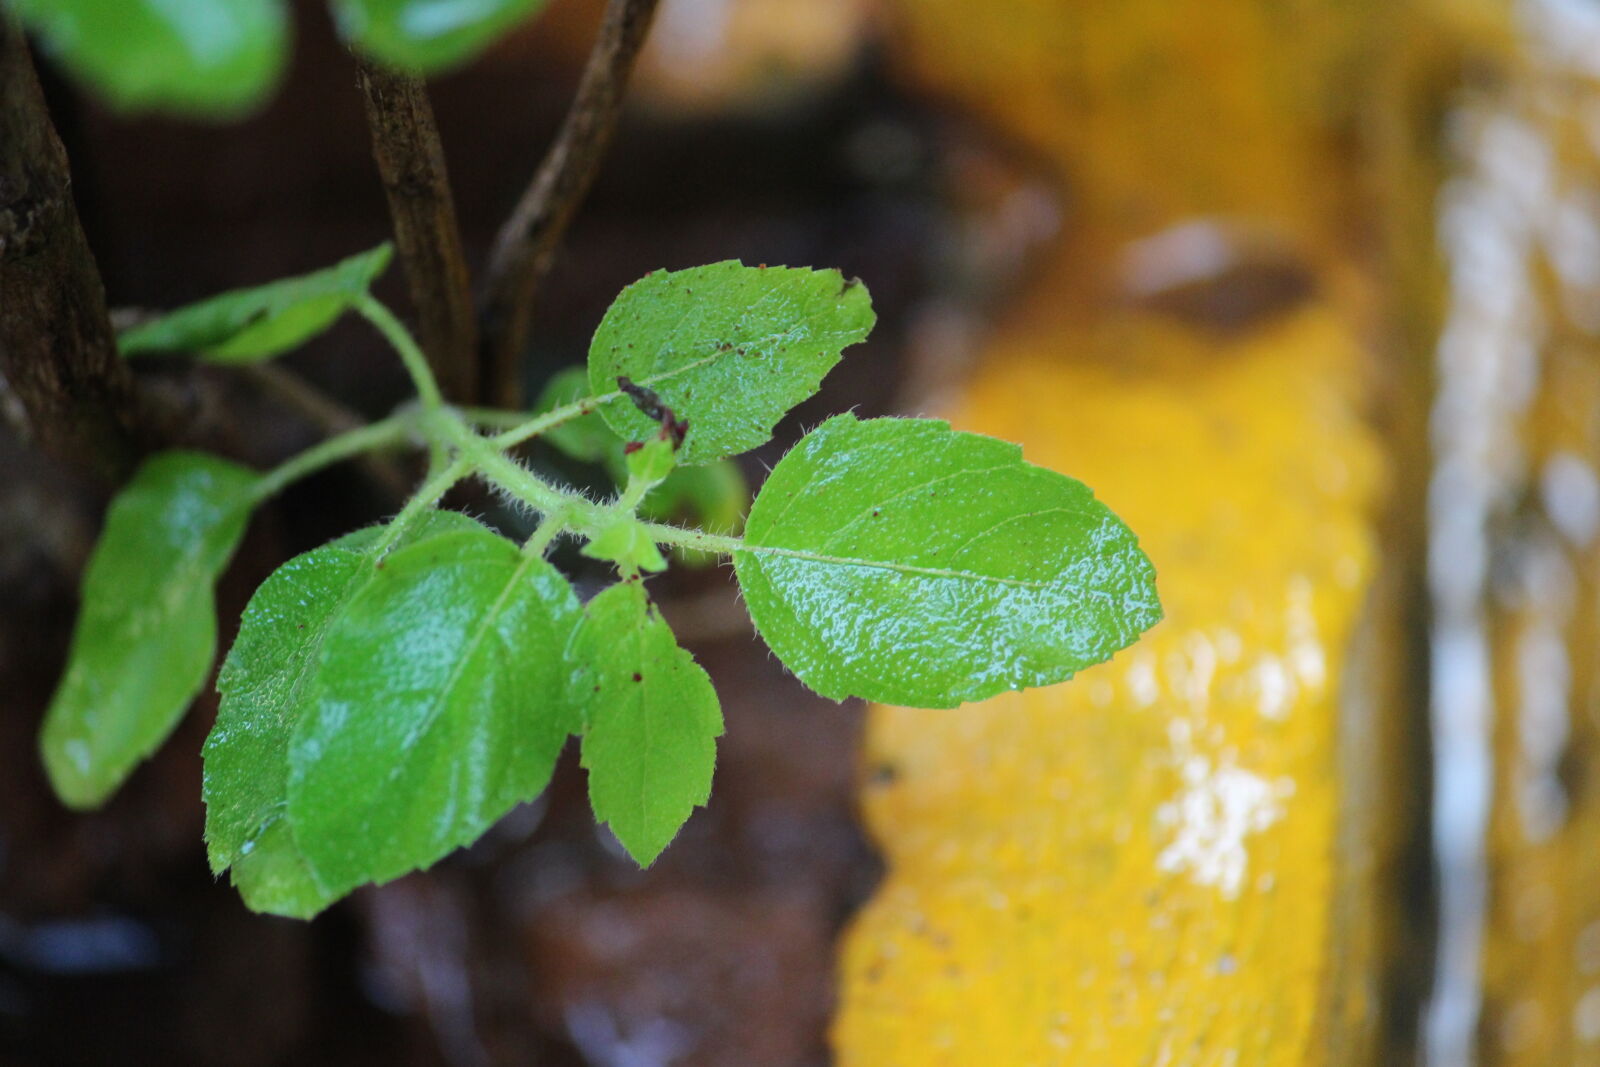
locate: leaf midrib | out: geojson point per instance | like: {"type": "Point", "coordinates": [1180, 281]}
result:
{"type": "Point", "coordinates": [911, 568]}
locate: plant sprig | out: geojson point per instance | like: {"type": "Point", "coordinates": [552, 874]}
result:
{"type": "Point", "coordinates": [391, 694]}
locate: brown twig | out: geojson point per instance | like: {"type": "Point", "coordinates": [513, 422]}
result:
{"type": "Point", "coordinates": [58, 356]}
{"type": "Point", "coordinates": [526, 245]}
{"type": "Point", "coordinates": [405, 144]}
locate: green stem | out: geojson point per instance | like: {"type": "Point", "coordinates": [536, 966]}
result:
{"type": "Point", "coordinates": [634, 492]}
{"type": "Point", "coordinates": [406, 345]}
{"type": "Point", "coordinates": [548, 529]}
{"type": "Point", "coordinates": [482, 455]}
{"type": "Point", "coordinates": [526, 428]}
{"type": "Point", "coordinates": [425, 498]}
{"type": "Point", "coordinates": [390, 431]}
{"type": "Point", "coordinates": [718, 544]}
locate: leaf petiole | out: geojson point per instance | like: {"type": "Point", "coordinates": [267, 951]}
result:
{"type": "Point", "coordinates": [483, 456]}
{"type": "Point", "coordinates": [406, 346]}
{"type": "Point", "coordinates": [525, 428]}
{"type": "Point", "coordinates": [426, 497]}
{"type": "Point", "coordinates": [550, 527]}
{"type": "Point", "coordinates": [682, 537]}
{"type": "Point", "coordinates": [391, 431]}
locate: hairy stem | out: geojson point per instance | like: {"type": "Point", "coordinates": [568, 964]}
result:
{"type": "Point", "coordinates": [410, 159]}
{"type": "Point", "coordinates": [406, 346]}
{"type": "Point", "coordinates": [425, 498]}
{"type": "Point", "coordinates": [526, 428]}
{"type": "Point", "coordinates": [526, 245]}
{"type": "Point", "coordinates": [482, 456]}
{"type": "Point", "coordinates": [548, 529]}
{"type": "Point", "coordinates": [390, 431]}
{"type": "Point", "coordinates": [717, 544]}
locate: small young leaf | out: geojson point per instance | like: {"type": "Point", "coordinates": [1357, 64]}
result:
{"type": "Point", "coordinates": [650, 463]}
{"type": "Point", "coordinates": [206, 58]}
{"type": "Point", "coordinates": [651, 721]}
{"type": "Point", "coordinates": [441, 700]}
{"type": "Point", "coordinates": [147, 627]}
{"type": "Point", "coordinates": [730, 348]}
{"type": "Point", "coordinates": [627, 544]}
{"type": "Point", "coordinates": [265, 682]}
{"type": "Point", "coordinates": [250, 325]}
{"type": "Point", "coordinates": [903, 562]}
{"type": "Point", "coordinates": [711, 495]}
{"type": "Point", "coordinates": [427, 36]}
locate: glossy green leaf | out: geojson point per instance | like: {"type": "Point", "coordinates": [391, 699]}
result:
{"type": "Point", "coordinates": [427, 36]}
{"type": "Point", "coordinates": [265, 683]}
{"type": "Point", "coordinates": [903, 562]}
{"type": "Point", "coordinates": [730, 348]}
{"type": "Point", "coordinates": [214, 58]}
{"type": "Point", "coordinates": [441, 700]}
{"type": "Point", "coordinates": [651, 721]}
{"type": "Point", "coordinates": [249, 325]}
{"type": "Point", "coordinates": [147, 628]}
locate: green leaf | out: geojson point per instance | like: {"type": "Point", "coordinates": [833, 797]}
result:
{"type": "Point", "coordinates": [441, 700]}
{"type": "Point", "coordinates": [650, 463]}
{"type": "Point", "coordinates": [427, 36]}
{"type": "Point", "coordinates": [729, 347]}
{"type": "Point", "coordinates": [628, 544]}
{"type": "Point", "coordinates": [651, 721]}
{"type": "Point", "coordinates": [265, 684]}
{"type": "Point", "coordinates": [207, 58]}
{"type": "Point", "coordinates": [147, 629]}
{"type": "Point", "coordinates": [903, 562]}
{"type": "Point", "coordinates": [250, 325]}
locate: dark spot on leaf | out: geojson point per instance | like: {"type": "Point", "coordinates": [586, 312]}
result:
{"type": "Point", "coordinates": [638, 677]}
{"type": "Point", "coordinates": [597, 689]}
{"type": "Point", "coordinates": [883, 774]}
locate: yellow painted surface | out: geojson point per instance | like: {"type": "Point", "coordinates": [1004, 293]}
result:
{"type": "Point", "coordinates": [1139, 866]}
{"type": "Point", "coordinates": [1171, 859]}
{"type": "Point", "coordinates": [1152, 110]}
